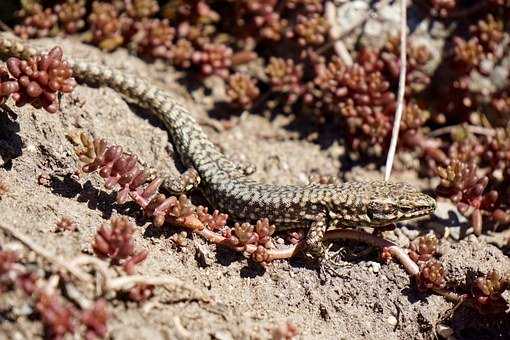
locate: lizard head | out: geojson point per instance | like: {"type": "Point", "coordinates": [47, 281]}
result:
{"type": "Point", "coordinates": [379, 203]}
{"type": "Point", "coordinates": [395, 202]}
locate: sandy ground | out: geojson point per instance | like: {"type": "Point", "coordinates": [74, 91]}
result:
{"type": "Point", "coordinates": [372, 301]}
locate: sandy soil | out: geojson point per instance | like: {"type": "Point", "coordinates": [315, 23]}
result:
{"type": "Point", "coordinates": [372, 301]}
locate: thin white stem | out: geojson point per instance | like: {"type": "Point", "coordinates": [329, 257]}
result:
{"type": "Point", "coordinates": [401, 89]}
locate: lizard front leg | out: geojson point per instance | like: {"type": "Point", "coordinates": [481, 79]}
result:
{"type": "Point", "coordinates": [316, 249]}
{"type": "Point", "coordinates": [314, 237]}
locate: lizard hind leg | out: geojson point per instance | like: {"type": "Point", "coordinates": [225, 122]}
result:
{"type": "Point", "coordinates": [187, 181]}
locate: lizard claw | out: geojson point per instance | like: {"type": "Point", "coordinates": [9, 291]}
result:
{"type": "Point", "coordinates": [331, 267]}
{"type": "Point", "coordinates": [328, 267]}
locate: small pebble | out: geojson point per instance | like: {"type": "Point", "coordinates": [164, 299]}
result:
{"type": "Point", "coordinates": [31, 148]}
{"type": "Point", "coordinates": [411, 234]}
{"type": "Point", "coordinates": [392, 320]}
{"type": "Point", "coordinates": [486, 66]}
{"type": "Point", "coordinates": [15, 246]}
{"type": "Point", "coordinates": [375, 267]}
{"type": "Point", "coordinates": [444, 331]}
{"type": "Point", "coordinates": [24, 310]}
{"type": "Point", "coordinates": [18, 336]}
{"type": "Point", "coordinates": [454, 232]}
{"type": "Point", "coordinates": [472, 238]}
{"type": "Point", "coordinates": [131, 332]}
{"type": "Point", "coordinates": [222, 335]}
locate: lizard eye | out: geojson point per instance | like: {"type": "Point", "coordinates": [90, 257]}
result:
{"type": "Point", "coordinates": [375, 215]}
{"type": "Point", "coordinates": [378, 212]}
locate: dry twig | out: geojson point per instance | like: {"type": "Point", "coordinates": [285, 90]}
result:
{"type": "Point", "coordinates": [126, 282]}
{"type": "Point", "coordinates": [59, 262]}
{"type": "Point", "coordinates": [109, 283]}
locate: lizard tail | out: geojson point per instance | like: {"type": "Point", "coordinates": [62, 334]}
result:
{"type": "Point", "coordinates": [191, 142]}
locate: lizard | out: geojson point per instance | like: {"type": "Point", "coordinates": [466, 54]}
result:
{"type": "Point", "coordinates": [313, 207]}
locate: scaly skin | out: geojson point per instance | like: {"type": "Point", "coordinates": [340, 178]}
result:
{"type": "Point", "coordinates": [316, 207]}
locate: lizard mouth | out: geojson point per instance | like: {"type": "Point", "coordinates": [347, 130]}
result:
{"type": "Point", "coordinates": [426, 208]}
{"type": "Point", "coordinates": [418, 212]}
{"type": "Point", "coordinates": [387, 217]}
{"type": "Point", "coordinates": [424, 205]}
